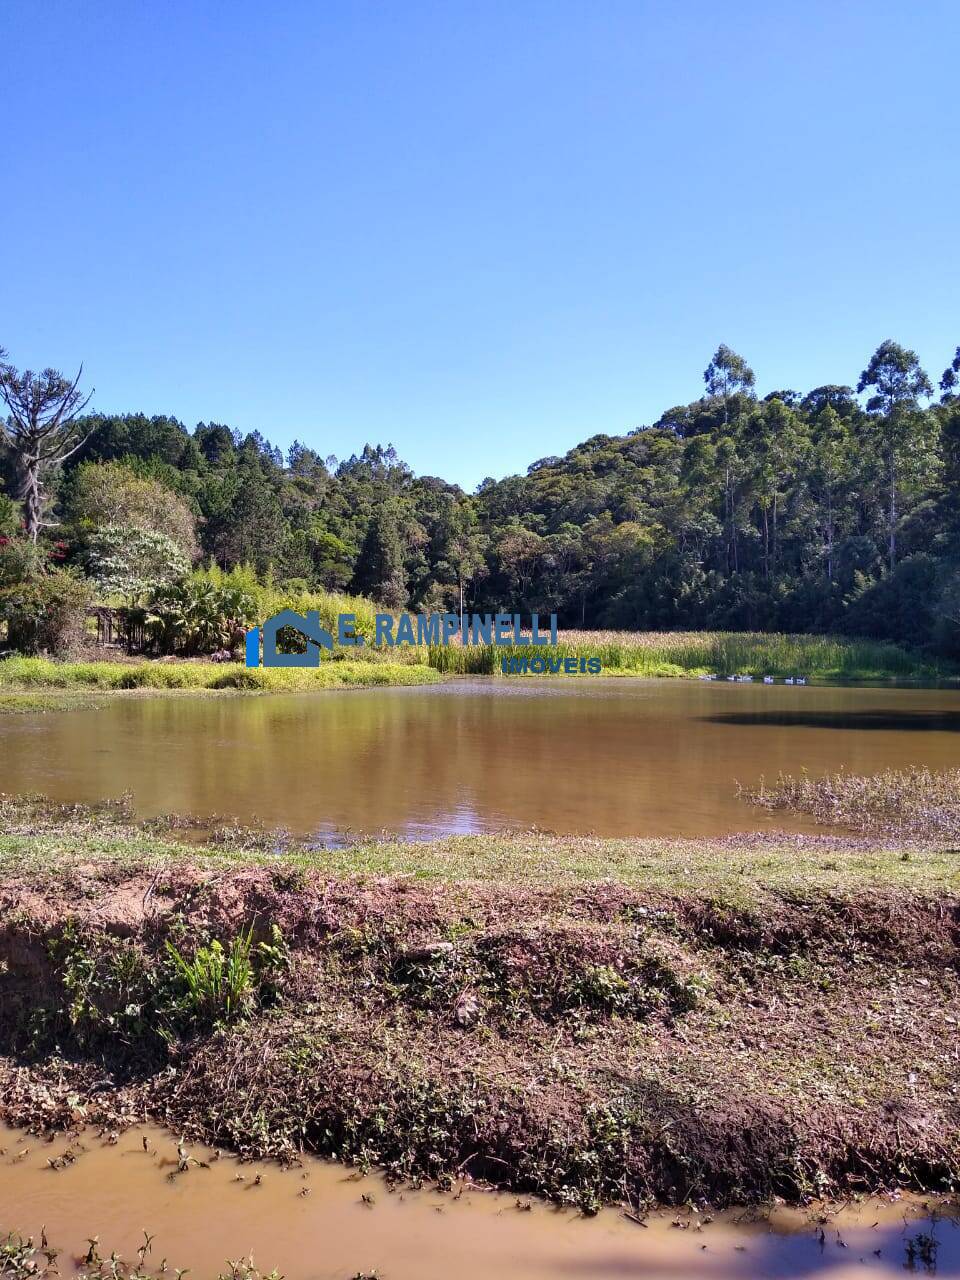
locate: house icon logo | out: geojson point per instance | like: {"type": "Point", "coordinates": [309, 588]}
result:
{"type": "Point", "coordinates": [307, 624]}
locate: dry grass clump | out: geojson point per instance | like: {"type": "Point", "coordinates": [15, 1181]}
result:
{"type": "Point", "coordinates": [915, 802]}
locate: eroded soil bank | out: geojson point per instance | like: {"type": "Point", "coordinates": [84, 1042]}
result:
{"type": "Point", "coordinates": [315, 1219]}
{"type": "Point", "coordinates": [672, 1037]}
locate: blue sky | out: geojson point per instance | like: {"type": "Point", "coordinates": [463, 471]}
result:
{"type": "Point", "coordinates": [481, 231]}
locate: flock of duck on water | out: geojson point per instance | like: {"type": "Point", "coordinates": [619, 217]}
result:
{"type": "Point", "coordinates": [766, 679]}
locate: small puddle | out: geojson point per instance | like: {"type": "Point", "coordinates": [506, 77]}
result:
{"type": "Point", "coordinates": [323, 1222]}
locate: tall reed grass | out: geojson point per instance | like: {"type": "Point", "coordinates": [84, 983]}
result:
{"type": "Point", "coordinates": [679, 653]}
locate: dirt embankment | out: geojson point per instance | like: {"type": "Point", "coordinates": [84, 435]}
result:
{"type": "Point", "coordinates": [592, 1043]}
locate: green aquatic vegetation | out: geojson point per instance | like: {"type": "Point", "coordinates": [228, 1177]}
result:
{"type": "Point", "coordinates": [621, 653]}
{"type": "Point", "coordinates": [907, 802]}
{"type": "Point", "coordinates": [26, 1258]}
{"type": "Point", "coordinates": [22, 1258]}
{"type": "Point", "coordinates": [690, 653]}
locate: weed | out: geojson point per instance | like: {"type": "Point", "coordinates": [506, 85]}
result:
{"type": "Point", "coordinates": [220, 983]}
{"type": "Point", "coordinates": [907, 802]}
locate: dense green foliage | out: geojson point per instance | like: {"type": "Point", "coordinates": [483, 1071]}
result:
{"type": "Point", "coordinates": [834, 510]}
{"type": "Point", "coordinates": [46, 613]}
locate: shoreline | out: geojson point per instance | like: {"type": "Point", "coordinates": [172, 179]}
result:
{"type": "Point", "coordinates": [590, 1021]}
{"type": "Point", "coordinates": [42, 684]}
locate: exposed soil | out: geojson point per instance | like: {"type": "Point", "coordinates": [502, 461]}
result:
{"type": "Point", "coordinates": [591, 1043]}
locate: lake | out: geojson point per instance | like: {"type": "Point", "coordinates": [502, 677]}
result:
{"type": "Point", "coordinates": [617, 757]}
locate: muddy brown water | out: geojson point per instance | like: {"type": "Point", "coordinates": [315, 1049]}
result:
{"type": "Point", "coordinates": [313, 1223]}
{"type": "Point", "coordinates": [612, 757]}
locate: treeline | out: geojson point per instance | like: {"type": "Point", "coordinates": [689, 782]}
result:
{"type": "Point", "coordinates": [832, 509]}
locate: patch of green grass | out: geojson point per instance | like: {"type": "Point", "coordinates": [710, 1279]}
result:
{"type": "Point", "coordinates": [44, 841]}
{"type": "Point", "coordinates": [18, 674]}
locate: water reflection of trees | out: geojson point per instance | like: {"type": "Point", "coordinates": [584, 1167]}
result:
{"type": "Point", "coordinates": [610, 759]}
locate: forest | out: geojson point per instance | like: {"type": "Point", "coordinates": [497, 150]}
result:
{"type": "Point", "coordinates": [835, 509]}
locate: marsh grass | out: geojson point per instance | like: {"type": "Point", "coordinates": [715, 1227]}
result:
{"type": "Point", "coordinates": [912, 802]}
{"type": "Point", "coordinates": [646, 654]}
{"type": "Point", "coordinates": [691, 653]}
{"type": "Point", "coordinates": [44, 673]}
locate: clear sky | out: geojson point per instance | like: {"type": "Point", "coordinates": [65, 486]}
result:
{"type": "Point", "coordinates": [482, 231]}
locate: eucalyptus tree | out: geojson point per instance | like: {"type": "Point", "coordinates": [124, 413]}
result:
{"type": "Point", "coordinates": [950, 380]}
{"type": "Point", "coordinates": [831, 470]}
{"type": "Point", "coordinates": [903, 434]}
{"type": "Point", "coordinates": [725, 375]}
{"type": "Point", "coordinates": [775, 441]}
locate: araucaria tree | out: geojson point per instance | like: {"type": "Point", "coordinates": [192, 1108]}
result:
{"type": "Point", "coordinates": [43, 429]}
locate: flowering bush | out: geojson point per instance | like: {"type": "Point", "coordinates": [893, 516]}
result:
{"type": "Point", "coordinates": [127, 561]}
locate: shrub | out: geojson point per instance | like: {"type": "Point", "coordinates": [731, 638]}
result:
{"type": "Point", "coordinates": [199, 616]}
{"type": "Point", "coordinates": [218, 983]}
{"type": "Point", "coordinates": [271, 598]}
{"type": "Point", "coordinates": [47, 614]}
{"type": "Point", "coordinates": [20, 560]}
{"type": "Point", "coordinates": [10, 516]}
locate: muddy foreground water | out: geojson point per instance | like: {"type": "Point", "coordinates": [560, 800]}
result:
{"type": "Point", "coordinates": [321, 1221]}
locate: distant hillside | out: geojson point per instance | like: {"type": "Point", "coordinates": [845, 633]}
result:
{"type": "Point", "coordinates": [823, 511]}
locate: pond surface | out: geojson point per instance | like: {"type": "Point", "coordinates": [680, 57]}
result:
{"type": "Point", "coordinates": [313, 1223]}
{"type": "Point", "coordinates": [611, 758]}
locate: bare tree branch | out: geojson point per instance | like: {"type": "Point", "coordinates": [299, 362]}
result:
{"type": "Point", "coordinates": [43, 428]}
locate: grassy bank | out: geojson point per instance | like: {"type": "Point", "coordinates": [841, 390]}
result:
{"type": "Point", "coordinates": [641, 654]}
{"type": "Point", "coordinates": [589, 1020]}
{"type": "Point", "coordinates": [27, 674]}
{"type": "Point", "coordinates": [696, 653]}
